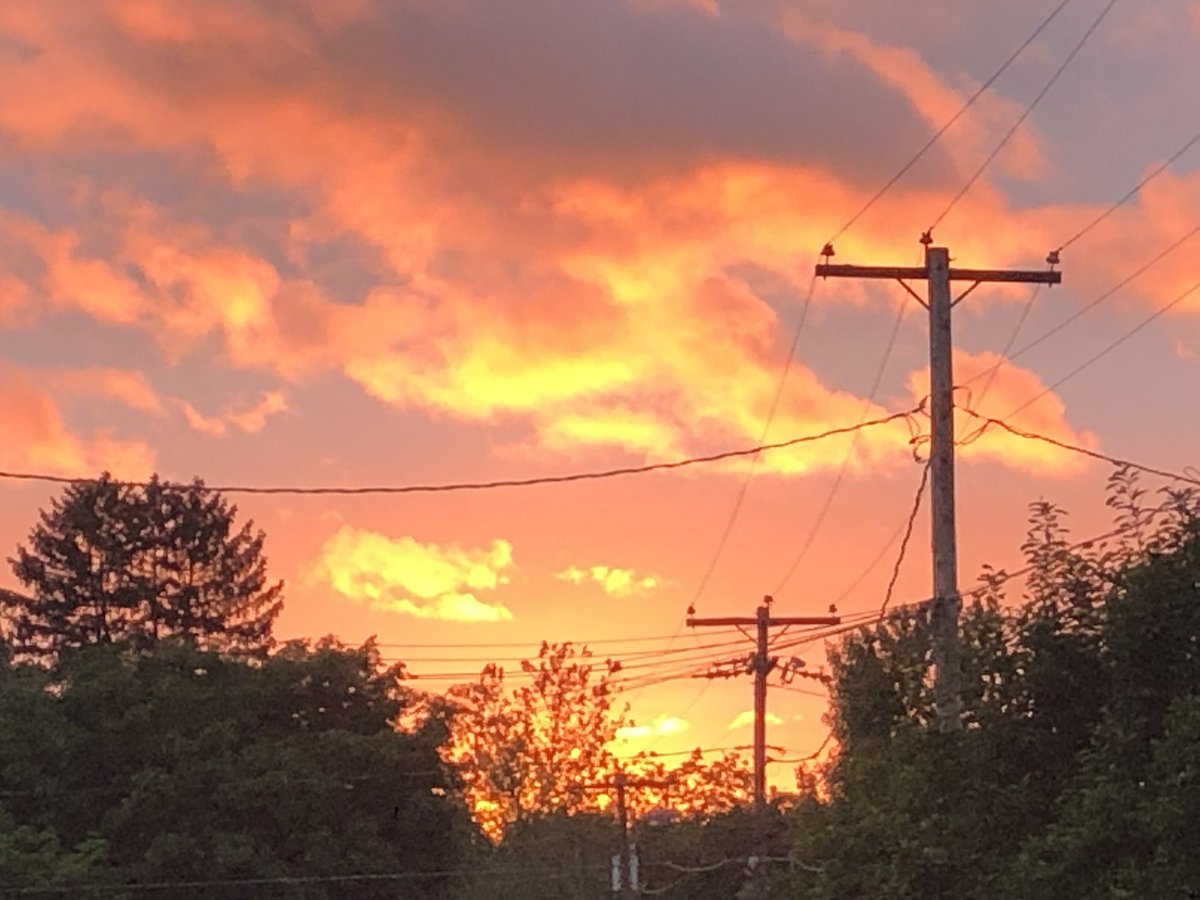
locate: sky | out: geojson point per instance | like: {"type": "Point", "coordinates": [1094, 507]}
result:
{"type": "Point", "coordinates": [393, 242]}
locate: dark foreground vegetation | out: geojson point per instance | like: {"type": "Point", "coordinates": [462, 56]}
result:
{"type": "Point", "coordinates": [156, 742]}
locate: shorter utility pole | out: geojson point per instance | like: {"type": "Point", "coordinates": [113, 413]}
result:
{"type": "Point", "coordinates": [761, 664]}
{"type": "Point", "coordinates": [627, 881]}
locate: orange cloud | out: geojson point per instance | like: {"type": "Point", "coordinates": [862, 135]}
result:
{"type": "Point", "coordinates": [662, 725]}
{"type": "Point", "coordinates": [589, 288]}
{"type": "Point", "coordinates": [248, 419]}
{"type": "Point", "coordinates": [937, 100]}
{"type": "Point", "coordinates": [405, 576]}
{"type": "Point", "coordinates": [37, 437]}
{"type": "Point", "coordinates": [125, 386]}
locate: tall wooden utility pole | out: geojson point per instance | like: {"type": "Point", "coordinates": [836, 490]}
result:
{"type": "Point", "coordinates": [937, 273]}
{"type": "Point", "coordinates": [761, 665]}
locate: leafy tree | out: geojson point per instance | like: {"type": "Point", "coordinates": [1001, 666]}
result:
{"type": "Point", "coordinates": [535, 748]}
{"type": "Point", "coordinates": [701, 786]}
{"type": "Point", "coordinates": [184, 765]}
{"type": "Point", "coordinates": [131, 564]}
{"type": "Point", "coordinates": [1074, 774]}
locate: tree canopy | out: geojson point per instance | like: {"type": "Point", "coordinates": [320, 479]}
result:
{"type": "Point", "coordinates": [132, 564]}
{"type": "Point", "coordinates": [1077, 767]}
{"type": "Point", "coordinates": [185, 765]}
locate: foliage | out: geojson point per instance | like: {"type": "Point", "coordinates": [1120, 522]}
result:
{"type": "Point", "coordinates": [132, 564]}
{"type": "Point", "coordinates": [1075, 774]}
{"type": "Point", "coordinates": [180, 764]}
{"type": "Point", "coordinates": [700, 786]}
{"type": "Point", "coordinates": [534, 749]}
{"type": "Point", "coordinates": [542, 748]}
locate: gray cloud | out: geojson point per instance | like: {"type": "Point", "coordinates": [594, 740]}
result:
{"type": "Point", "coordinates": [596, 83]}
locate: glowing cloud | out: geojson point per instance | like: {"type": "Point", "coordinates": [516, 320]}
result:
{"type": "Point", "coordinates": [127, 387]}
{"type": "Point", "coordinates": [662, 725]}
{"type": "Point", "coordinates": [248, 419]}
{"type": "Point", "coordinates": [742, 719]}
{"type": "Point", "coordinates": [615, 582]}
{"type": "Point", "coordinates": [405, 576]}
{"type": "Point", "coordinates": [37, 436]}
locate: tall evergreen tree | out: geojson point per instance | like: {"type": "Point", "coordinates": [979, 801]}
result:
{"type": "Point", "coordinates": [131, 564]}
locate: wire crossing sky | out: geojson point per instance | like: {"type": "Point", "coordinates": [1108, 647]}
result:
{"type": "Point", "coordinates": [499, 320]}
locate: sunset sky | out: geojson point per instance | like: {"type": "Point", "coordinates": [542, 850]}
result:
{"type": "Point", "coordinates": [388, 242]}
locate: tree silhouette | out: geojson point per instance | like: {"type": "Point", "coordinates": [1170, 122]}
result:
{"type": "Point", "coordinates": [130, 564]}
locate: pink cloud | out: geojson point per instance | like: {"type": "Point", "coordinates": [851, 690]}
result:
{"type": "Point", "coordinates": [38, 438]}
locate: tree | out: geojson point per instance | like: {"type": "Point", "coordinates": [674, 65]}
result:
{"type": "Point", "coordinates": [1075, 772]}
{"type": "Point", "coordinates": [542, 747]}
{"type": "Point", "coordinates": [535, 749]}
{"type": "Point", "coordinates": [131, 564]}
{"type": "Point", "coordinates": [177, 764]}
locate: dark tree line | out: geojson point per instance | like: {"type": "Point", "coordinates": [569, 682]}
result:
{"type": "Point", "coordinates": [150, 732]}
{"type": "Point", "coordinates": [1078, 771]}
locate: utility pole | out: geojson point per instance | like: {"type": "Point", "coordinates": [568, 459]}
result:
{"type": "Point", "coordinates": [626, 880]}
{"type": "Point", "coordinates": [938, 274]}
{"type": "Point", "coordinates": [761, 664]}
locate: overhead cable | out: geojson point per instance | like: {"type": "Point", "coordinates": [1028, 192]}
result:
{"type": "Point", "coordinates": [823, 512]}
{"type": "Point", "coordinates": [989, 422]}
{"type": "Point", "coordinates": [450, 487]}
{"type": "Point", "coordinates": [1131, 193]}
{"type": "Point", "coordinates": [937, 136]}
{"type": "Point", "coordinates": [1092, 360]}
{"type": "Point", "coordinates": [1024, 115]}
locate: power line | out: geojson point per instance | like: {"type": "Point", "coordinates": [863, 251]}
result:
{"type": "Point", "coordinates": [770, 420]}
{"type": "Point", "coordinates": [979, 92]}
{"type": "Point", "coordinates": [869, 567]}
{"type": "Point", "coordinates": [992, 370]}
{"type": "Point", "coordinates": [619, 658]}
{"type": "Point", "coordinates": [1137, 273]}
{"type": "Point", "coordinates": [823, 513]}
{"type": "Point", "coordinates": [744, 488]}
{"type": "Point", "coordinates": [585, 643]}
{"type": "Point", "coordinates": [908, 530]}
{"type": "Point", "coordinates": [1024, 115]}
{"type": "Point", "coordinates": [690, 656]}
{"type": "Point", "coordinates": [702, 751]}
{"type": "Point", "coordinates": [1161, 311]}
{"type": "Point", "coordinates": [988, 422]}
{"type": "Point", "coordinates": [1005, 357]}
{"type": "Point", "coordinates": [990, 374]}
{"type": "Point", "coordinates": [1131, 193]}
{"type": "Point", "coordinates": [501, 483]}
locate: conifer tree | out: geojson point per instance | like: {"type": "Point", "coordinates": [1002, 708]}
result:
{"type": "Point", "coordinates": [131, 564]}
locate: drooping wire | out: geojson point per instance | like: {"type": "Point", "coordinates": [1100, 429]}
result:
{"type": "Point", "coordinates": [989, 422]}
{"type": "Point", "coordinates": [908, 530]}
{"type": "Point", "coordinates": [876, 382]}
{"type": "Point", "coordinates": [1092, 360]}
{"type": "Point", "coordinates": [1030, 107]}
{"type": "Point", "coordinates": [993, 370]}
{"type": "Point", "coordinates": [990, 374]}
{"type": "Point", "coordinates": [1131, 193]}
{"type": "Point", "coordinates": [1006, 357]}
{"type": "Point", "coordinates": [589, 643]}
{"type": "Point", "coordinates": [937, 136]}
{"type": "Point", "coordinates": [450, 487]}
{"type": "Point", "coordinates": [772, 411]}
{"type": "Point", "coordinates": [744, 487]}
